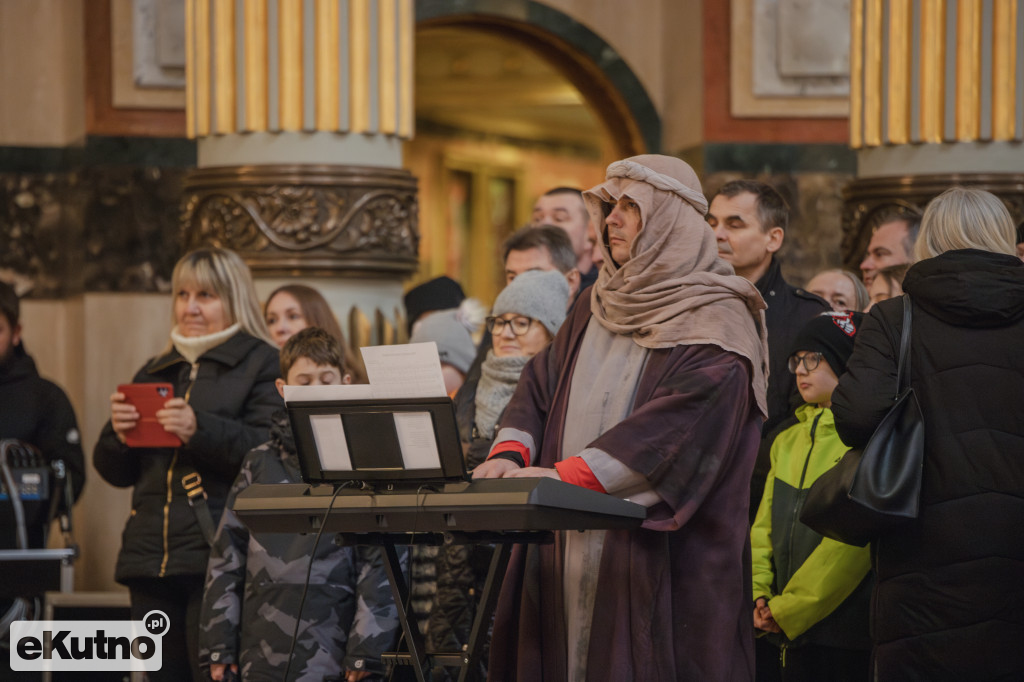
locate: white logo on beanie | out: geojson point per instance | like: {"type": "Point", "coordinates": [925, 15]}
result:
{"type": "Point", "coordinates": [843, 320]}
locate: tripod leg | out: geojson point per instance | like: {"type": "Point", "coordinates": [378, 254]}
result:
{"type": "Point", "coordinates": [488, 601]}
{"type": "Point", "coordinates": [413, 639]}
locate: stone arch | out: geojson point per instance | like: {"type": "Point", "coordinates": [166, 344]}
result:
{"type": "Point", "coordinates": [601, 75]}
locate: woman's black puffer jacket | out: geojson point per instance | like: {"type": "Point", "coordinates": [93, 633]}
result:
{"type": "Point", "coordinates": [949, 599]}
{"type": "Point", "coordinates": [231, 390]}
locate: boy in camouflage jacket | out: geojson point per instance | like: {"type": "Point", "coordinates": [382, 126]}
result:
{"type": "Point", "coordinates": [254, 582]}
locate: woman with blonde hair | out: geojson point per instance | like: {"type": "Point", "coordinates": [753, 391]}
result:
{"type": "Point", "coordinates": [948, 602]}
{"type": "Point", "coordinates": [962, 218]}
{"type": "Point", "coordinates": [221, 365]}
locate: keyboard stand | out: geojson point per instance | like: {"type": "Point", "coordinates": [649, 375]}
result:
{"type": "Point", "coordinates": [502, 512]}
{"type": "Point", "coordinates": [414, 653]}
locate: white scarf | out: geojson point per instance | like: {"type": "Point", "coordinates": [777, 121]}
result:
{"type": "Point", "coordinates": [193, 347]}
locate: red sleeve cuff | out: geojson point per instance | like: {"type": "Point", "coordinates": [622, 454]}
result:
{"type": "Point", "coordinates": [574, 470]}
{"type": "Point", "coordinates": [511, 446]}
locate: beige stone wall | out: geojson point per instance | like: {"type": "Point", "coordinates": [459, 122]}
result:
{"type": "Point", "coordinates": [681, 56]}
{"type": "Point", "coordinates": [88, 345]}
{"type": "Point", "coordinates": [635, 30]}
{"type": "Point", "coordinates": [41, 69]}
{"type": "Point", "coordinates": [661, 42]}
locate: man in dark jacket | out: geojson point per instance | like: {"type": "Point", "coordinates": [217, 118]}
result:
{"type": "Point", "coordinates": [32, 409]}
{"type": "Point", "coordinates": [750, 219]}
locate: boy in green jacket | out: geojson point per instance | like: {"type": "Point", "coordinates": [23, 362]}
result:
{"type": "Point", "coordinates": [811, 593]}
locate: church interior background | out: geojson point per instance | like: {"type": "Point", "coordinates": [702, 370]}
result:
{"type": "Point", "coordinates": [364, 146]}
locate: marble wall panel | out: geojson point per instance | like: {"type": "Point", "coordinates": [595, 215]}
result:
{"type": "Point", "coordinates": [93, 229]}
{"type": "Point", "coordinates": [130, 230]}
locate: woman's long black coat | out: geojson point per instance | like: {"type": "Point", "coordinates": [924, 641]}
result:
{"type": "Point", "coordinates": [949, 601]}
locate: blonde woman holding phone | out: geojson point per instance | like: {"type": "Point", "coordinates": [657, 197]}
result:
{"type": "Point", "coordinates": [221, 363]}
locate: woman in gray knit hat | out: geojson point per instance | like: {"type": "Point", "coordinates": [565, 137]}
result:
{"type": "Point", "coordinates": [525, 317]}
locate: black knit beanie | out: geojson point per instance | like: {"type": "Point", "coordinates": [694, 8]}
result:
{"type": "Point", "coordinates": [830, 334]}
{"type": "Point", "coordinates": [440, 293]}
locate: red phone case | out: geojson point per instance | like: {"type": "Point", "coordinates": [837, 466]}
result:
{"type": "Point", "coordinates": [147, 399]}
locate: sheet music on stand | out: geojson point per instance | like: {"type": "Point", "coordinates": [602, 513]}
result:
{"type": "Point", "coordinates": [412, 370]}
{"type": "Point", "coordinates": [399, 427]}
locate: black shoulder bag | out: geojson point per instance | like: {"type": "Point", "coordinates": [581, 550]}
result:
{"type": "Point", "coordinates": [872, 490]}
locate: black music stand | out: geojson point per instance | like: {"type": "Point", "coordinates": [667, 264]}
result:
{"type": "Point", "coordinates": [383, 443]}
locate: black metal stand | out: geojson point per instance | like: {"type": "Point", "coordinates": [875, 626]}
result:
{"type": "Point", "coordinates": [414, 653]}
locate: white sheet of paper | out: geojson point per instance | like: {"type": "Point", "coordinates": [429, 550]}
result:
{"type": "Point", "coordinates": [412, 370]}
{"type": "Point", "coordinates": [329, 434]}
{"type": "Point", "coordinates": [334, 392]}
{"type": "Point", "coordinates": [416, 439]}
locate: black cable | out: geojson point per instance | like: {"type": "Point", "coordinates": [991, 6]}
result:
{"type": "Point", "coordinates": [309, 572]}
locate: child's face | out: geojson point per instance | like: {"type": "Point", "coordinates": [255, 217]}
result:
{"type": "Point", "coordinates": [304, 372]}
{"type": "Point", "coordinates": [815, 385]}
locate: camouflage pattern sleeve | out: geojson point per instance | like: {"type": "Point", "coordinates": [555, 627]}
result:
{"type": "Point", "coordinates": [221, 615]}
{"type": "Point", "coordinates": [375, 626]}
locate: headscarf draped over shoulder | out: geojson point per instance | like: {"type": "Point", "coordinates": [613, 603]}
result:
{"type": "Point", "coordinates": [674, 290]}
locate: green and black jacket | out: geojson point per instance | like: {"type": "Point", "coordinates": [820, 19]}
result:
{"type": "Point", "coordinates": [818, 589]}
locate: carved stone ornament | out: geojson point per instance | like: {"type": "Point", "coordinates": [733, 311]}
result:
{"type": "Point", "coordinates": [868, 201]}
{"type": "Point", "coordinates": [325, 220]}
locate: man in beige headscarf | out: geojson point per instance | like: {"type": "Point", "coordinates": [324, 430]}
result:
{"type": "Point", "coordinates": [654, 392]}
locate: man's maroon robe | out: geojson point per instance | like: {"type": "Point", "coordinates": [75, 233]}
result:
{"type": "Point", "coordinates": [673, 598]}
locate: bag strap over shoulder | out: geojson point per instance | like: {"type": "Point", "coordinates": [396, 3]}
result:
{"type": "Point", "coordinates": [903, 369]}
{"type": "Point", "coordinates": [192, 482]}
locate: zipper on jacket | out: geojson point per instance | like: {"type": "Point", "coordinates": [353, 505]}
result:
{"type": "Point", "coordinates": [803, 475]}
{"type": "Point", "coordinates": [170, 482]}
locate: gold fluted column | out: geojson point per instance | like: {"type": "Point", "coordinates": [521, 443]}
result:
{"type": "Point", "coordinates": [294, 65]}
{"type": "Point", "coordinates": [300, 108]}
{"type": "Point", "coordinates": [936, 100]}
{"type": "Point", "coordinates": [933, 71]}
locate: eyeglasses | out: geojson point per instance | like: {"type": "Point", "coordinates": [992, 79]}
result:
{"type": "Point", "coordinates": [520, 325]}
{"type": "Point", "coordinates": [810, 360]}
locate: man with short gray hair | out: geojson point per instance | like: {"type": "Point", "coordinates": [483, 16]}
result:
{"type": "Point", "coordinates": [542, 247]}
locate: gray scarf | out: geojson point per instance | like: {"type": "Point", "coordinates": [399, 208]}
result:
{"type": "Point", "coordinates": [498, 379]}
